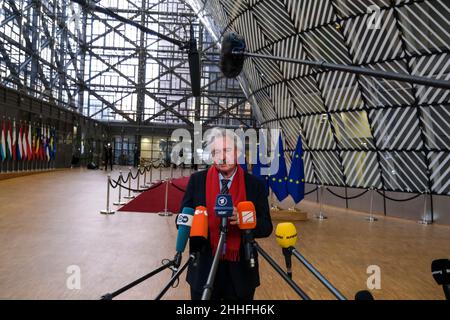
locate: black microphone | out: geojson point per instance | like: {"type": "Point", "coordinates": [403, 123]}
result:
{"type": "Point", "coordinates": [230, 63]}
{"type": "Point", "coordinates": [440, 270]}
{"type": "Point", "coordinates": [194, 65]}
{"type": "Point", "coordinates": [363, 295]}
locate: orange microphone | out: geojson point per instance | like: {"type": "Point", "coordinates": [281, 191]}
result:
{"type": "Point", "coordinates": [247, 222]}
{"type": "Point", "coordinates": [199, 231]}
{"type": "Point", "coordinates": [199, 227]}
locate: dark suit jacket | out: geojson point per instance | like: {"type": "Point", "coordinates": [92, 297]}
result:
{"type": "Point", "coordinates": [244, 278]}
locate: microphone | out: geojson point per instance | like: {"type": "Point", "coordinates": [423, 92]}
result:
{"type": "Point", "coordinates": [224, 209]}
{"type": "Point", "coordinates": [286, 236]}
{"type": "Point", "coordinates": [230, 63]}
{"type": "Point", "coordinates": [184, 222]}
{"type": "Point", "coordinates": [363, 295]}
{"type": "Point", "coordinates": [440, 270]}
{"type": "Point", "coordinates": [199, 230]}
{"type": "Point", "coordinates": [247, 222]}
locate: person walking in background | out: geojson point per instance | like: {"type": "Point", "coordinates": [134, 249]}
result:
{"type": "Point", "coordinates": [108, 155]}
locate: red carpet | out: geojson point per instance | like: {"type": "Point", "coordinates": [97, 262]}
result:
{"type": "Point", "coordinates": [153, 200]}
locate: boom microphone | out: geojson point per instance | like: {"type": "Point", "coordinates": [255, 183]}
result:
{"type": "Point", "coordinates": [286, 236]}
{"type": "Point", "coordinates": [233, 54]}
{"type": "Point", "coordinates": [247, 222]}
{"type": "Point", "coordinates": [441, 273]}
{"type": "Point", "coordinates": [230, 63]}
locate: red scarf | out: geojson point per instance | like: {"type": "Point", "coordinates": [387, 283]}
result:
{"type": "Point", "coordinates": [238, 194]}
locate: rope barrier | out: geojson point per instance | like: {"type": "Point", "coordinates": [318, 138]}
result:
{"type": "Point", "coordinates": [348, 198]}
{"type": "Point", "coordinates": [178, 188]}
{"type": "Point", "coordinates": [313, 190]}
{"type": "Point", "coordinates": [400, 200]}
{"type": "Point", "coordinates": [135, 190]}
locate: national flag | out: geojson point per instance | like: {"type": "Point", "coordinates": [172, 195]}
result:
{"type": "Point", "coordinates": [14, 142]}
{"type": "Point", "coordinates": [258, 166]}
{"type": "Point", "coordinates": [38, 144]}
{"type": "Point", "coordinates": [296, 178]}
{"type": "Point", "coordinates": [278, 179]}
{"type": "Point", "coordinates": [19, 144]}
{"type": "Point", "coordinates": [24, 143]}
{"type": "Point", "coordinates": [53, 143]}
{"type": "Point", "coordinates": [29, 145]}
{"type": "Point", "coordinates": [3, 142]}
{"type": "Point", "coordinates": [9, 142]}
{"type": "Point", "coordinates": [47, 143]}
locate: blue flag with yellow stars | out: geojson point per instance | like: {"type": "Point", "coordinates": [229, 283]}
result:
{"type": "Point", "coordinates": [296, 179]}
{"type": "Point", "coordinates": [258, 166]}
{"type": "Point", "coordinates": [278, 180]}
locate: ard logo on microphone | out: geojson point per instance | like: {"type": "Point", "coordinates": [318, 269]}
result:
{"type": "Point", "coordinates": [222, 201]}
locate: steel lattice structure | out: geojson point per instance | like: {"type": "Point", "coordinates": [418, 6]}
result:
{"type": "Point", "coordinates": [89, 62]}
{"type": "Point", "coordinates": [357, 131]}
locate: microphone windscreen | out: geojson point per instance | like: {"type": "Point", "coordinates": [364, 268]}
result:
{"type": "Point", "coordinates": [199, 226]}
{"type": "Point", "coordinates": [194, 68]}
{"type": "Point", "coordinates": [247, 215]}
{"type": "Point", "coordinates": [224, 206]}
{"type": "Point", "coordinates": [286, 234]}
{"type": "Point", "coordinates": [363, 295]}
{"type": "Point", "coordinates": [184, 222]}
{"type": "Point", "coordinates": [231, 64]}
{"type": "Point", "coordinates": [440, 269]}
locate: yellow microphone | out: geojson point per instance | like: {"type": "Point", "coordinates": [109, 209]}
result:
{"type": "Point", "coordinates": [286, 235]}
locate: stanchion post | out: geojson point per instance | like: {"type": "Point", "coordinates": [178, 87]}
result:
{"type": "Point", "coordinates": [321, 216]}
{"type": "Point", "coordinates": [129, 196]}
{"type": "Point", "coordinates": [166, 213]}
{"type": "Point", "coordinates": [144, 185]}
{"type": "Point", "coordinates": [371, 218]}
{"type": "Point", "coordinates": [120, 202]}
{"type": "Point", "coordinates": [107, 211]}
{"type": "Point", "coordinates": [151, 175]}
{"type": "Point", "coordinates": [138, 179]}
{"type": "Point", "coordinates": [425, 220]}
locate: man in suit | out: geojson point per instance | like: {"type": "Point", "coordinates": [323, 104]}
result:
{"type": "Point", "coordinates": [235, 279]}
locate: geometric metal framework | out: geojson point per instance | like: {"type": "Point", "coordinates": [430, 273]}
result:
{"type": "Point", "coordinates": [89, 62]}
{"type": "Point", "coordinates": [357, 131]}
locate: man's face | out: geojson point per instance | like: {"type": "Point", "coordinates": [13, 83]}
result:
{"type": "Point", "coordinates": [224, 153]}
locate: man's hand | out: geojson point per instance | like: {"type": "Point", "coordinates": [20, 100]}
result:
{"type": "Point", "coordinates": [234, 218]}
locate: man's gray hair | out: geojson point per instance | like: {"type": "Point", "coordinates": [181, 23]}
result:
{"type": "Point", "coordinates": [218, 132]}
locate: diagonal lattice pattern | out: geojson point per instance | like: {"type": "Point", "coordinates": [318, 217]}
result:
{"type": "Point", "coordinates": [357, 131]}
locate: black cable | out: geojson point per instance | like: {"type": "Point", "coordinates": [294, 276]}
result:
{"type": "Point", "coordinates": [309, 192]}
{"type": "Point", "coordinates": [399, 200]}
{"type": "Point", "coordinates": [139, 190]}
{"type": "Point", "coordinates": [347, 198]}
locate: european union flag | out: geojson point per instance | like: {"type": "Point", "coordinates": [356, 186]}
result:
{"type": "Point", "coordinates": [278, 181]}
{"type": "Point", "coordinates": [256, 168]}
{"type": "Point", "coordinates": [296, 179]}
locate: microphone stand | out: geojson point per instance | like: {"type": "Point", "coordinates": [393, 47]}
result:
{"type": "Point", "coordinates": [110, 296]}
{"type": "Point", "coordinates": [280, 271]}
{"type": "Point", "coordinates": [207, 290]}
{"type": "Point", "coordinates": [317, 274]}
{"type": "Point", "coordinates": [177, 274]}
